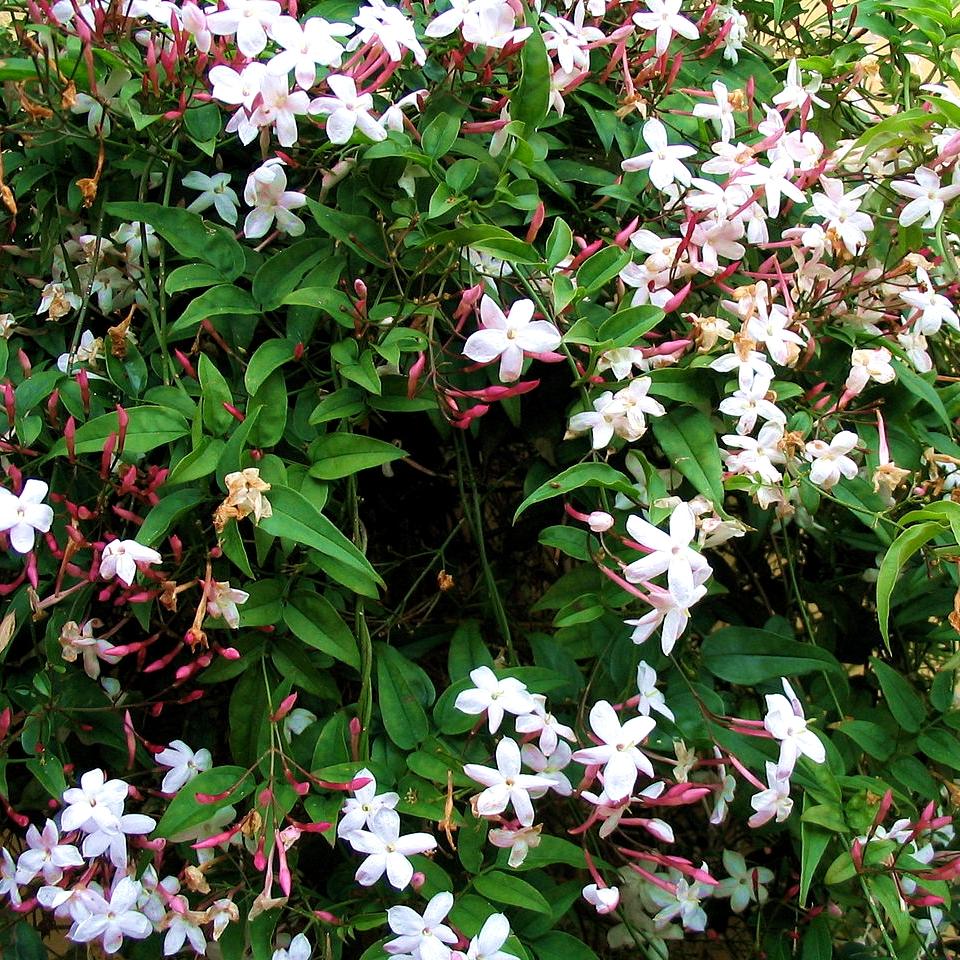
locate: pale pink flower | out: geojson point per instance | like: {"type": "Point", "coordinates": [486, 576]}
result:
{"type": "Point", "coordinates": [830, 460]}
{"type": "Point", "coordinates": [247, 20]}
{"type": "Point", "coordinates": [109, 921]}
{"type": "Point", "coordinates": [618, 750]}
{"type": "Point", "coordinates": [670, 553]}
{"type": "Point", "coordinates": [46, 855]}
{"type": "Point", "coordinates": [387, 851]}
{"type": "Point", "coordinates": [928, 198]}
{"type": "Point", "coordinates": [664, 18]}
{"type": "Point", "coordinates": [603, 899]}
{"type": "Point", "coordinates": [266, 191]}
{"type": "Point", "coordinates": [23, 516]}
{"type": "Point", "coordinates": [510, 337]}
{"type": "Point", "coordinates": [773, 802]}
{"type": "Point", "coordinates": [347, 110]}
{"type": "Point", "coordinates": [505, 784]}
{"type": "Point", "coordinates": [120, 559]}
{"type": "Point", "coordinates": [305, 46]}
{"type": "Point", "coordinates": [663, 162]}
{"type": "Point", "coordinates": [785, 722]}
{"type": "Point", "coordinates": [424, 936]}
{"type": "Point", "coordinates": [184, 764]}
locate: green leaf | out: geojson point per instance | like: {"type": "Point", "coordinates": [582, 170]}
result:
{"type": "Point", "coordinates": [887, 892]}
{"type": "Point", "coordinates": [24, 941]}
{"type": "Point", "coordinates": [907, 708]}
{"type": "Point", "coordinates": [192, 275]}
{"type": "Point", "coordinates": [270, 355]}
{"type": "Point", "coordinates": [627, 326]}
{"type": "Point", "coordinates": [15, 69]}
{"type": "Point", "coordinates": [505, 888]}
{"type": "Point", "coordinates": [573, 478]}
{"type": "Point", "coordinates": [214, 393]}
{"type": "Point", "coordinates": [923, 389]}
{"type": "Point", "coordinates": [342, 403]}
{"type": "Point", "coordinates": [203, 123]}
{"type": "Point", "coordinates": [690, 444]}
{"type": "Point", "coordinates": [48, 772]}
{"type": "Point", "coordinates": [748, 656]}
{"type": "Point", "coordinates": [559, 243]}
{"type": "Point", "coordinates": [487, 239]}
{"type": "Point", "coordinates": [338, 455]}
{"type": "Point", "coordinates": [149, 427]}
{"type": "Point", "coordinates": [185, 811]}
{"type": "Point", "coordinates": [557, 945]}
{"type": "Point", "coordinates": [296, 518]}
{"type": "Point", "coordinates": [941, 746]}
{"type": "Point", "coordinates": [530, 104]}
{"type": "Point", "coordinates": [899, 552]}
{"type": "Point", "coordinates": [314, 620]}
{"type": "Point", "coordinates": [360, 234]}
{"type": "Point", "coordinates": [188, 233]}
{"type": "Point", "coordinates": [841, 870]}
{"type": "Point", "coordinates": [467, 650]}
{"type": "Point", "coordinates": [280, 275]}
{"type": "Point", "coordinates": [440, 135]}
{"type": "Point", "coordinates": [403, 716]}
{"type": "Point", "coordinates": [215, 302]}
{"type": "Point", "coordinates": [814, 842]}
{"type": "Point", "coordinates": [600, 268]}
{"type": "Point", "coordinates": [166, 513]}
{"type": "Point", "coordinates": [198, 463]}
{"type": "Point", "coordinates": [870, 737]}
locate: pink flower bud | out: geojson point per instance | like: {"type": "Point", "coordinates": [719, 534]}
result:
{"type": "Point", "coordinates": [599, 522]}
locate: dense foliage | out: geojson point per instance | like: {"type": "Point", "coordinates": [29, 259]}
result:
{"type": "Point", "coordinates": [479, 478]}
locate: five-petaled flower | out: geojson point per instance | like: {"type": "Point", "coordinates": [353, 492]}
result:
{"type": "Point", "coordinates": [510, 336]}
{"type": "Point", "coordinates": [120, 558]}
{"type": "Point", "coordinates": [23, 516]}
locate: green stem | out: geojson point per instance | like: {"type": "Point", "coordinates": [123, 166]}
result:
{"type": "Point", "coordinates": [471, 502]}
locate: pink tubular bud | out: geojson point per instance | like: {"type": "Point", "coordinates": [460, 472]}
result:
{"type": "Point", "coordinates": [230, 653]}
{"type": "Point", "coordinates": [300, 788]}
{"type": "Point", "coordinates": [536, 222]}
{"type": "Point", "coordinates": [5, 719]}
{"type": "Point", "coordinates": [856, 855]}
{"type": "Point", "coordinates": [131, 739]}
{"type": "Point", "coordinates": [217, 839]}
{"type": "Point", "coordinates": [123, 421]}
{"type": "Point", "coordinates": [213, 797]}
{"type": "Point", "coordinates": [677, 299]}
{"type": "Point", "coordinates": [298, 351]}
{"type": "Point", "coordinates": [418, 880]}
{"type": "Point", "coordinates": [496, 393]}
{"type": "Point", "coordinates": [357, 783]}
{"type": "Point", "coordinates": [265, 797]}
{"type": "Point", "coordinates": [10, 403]}
{"type": "Point", "coordinates": [414, 374]}
{"type": "Point", "coordinates": [286, 705]}
{"type": "Point", "coordinates": [588, 250]}
{"type": "Point", "coordinates": [25, 364]}
{"type": "Point", "coordinates": [83, 382]}
{"type": "Point", "coordinates": [623, 237]}
{"type": "Point", "coordinates": [53, 402]}
{"type": "Point", "coordinates": [107, 456]}
{"type": "Point", "coordinates": [259, 858]}
{"type": "Point", "coordinates": [283, 874]}
{"type": "Point", "coordinates": [233, 411]}
{"type": "Point", "coordinates": [184, 362]}
{"type": "Point", "coordinates": [327, 917]}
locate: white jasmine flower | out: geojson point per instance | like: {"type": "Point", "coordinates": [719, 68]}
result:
{"type": "Point", "coordinates": [23, 516]}
{"type": "Point", "coordinates": [120, 559]}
